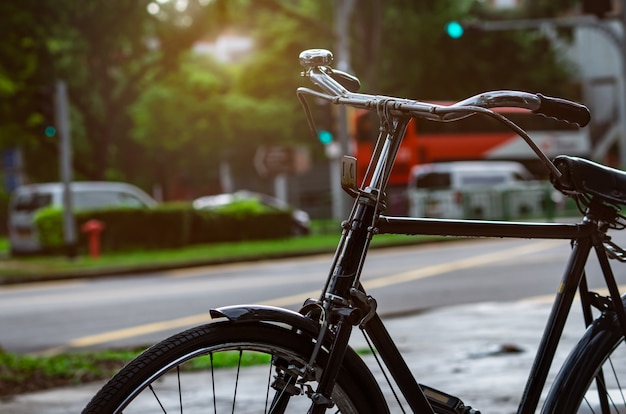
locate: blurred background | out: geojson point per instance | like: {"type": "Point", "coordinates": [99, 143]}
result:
{"type": "Point", "coordinates": [190, 98]}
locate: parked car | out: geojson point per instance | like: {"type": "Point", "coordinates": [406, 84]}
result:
{"type": "Point", "coordinates": [475, 189]}
{"type": "Point", "coordinates": [27, 200]}
{"type": "Point", "coordinates": [300, 219]}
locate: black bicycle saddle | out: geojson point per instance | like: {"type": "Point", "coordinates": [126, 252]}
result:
{"type": "Point", "coordinates": [587, 177]}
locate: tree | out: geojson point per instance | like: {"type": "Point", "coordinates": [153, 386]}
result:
{"type": "Point", "coordinates": [205, 113]}
{"type": "Point", "coordinates": [139, 96]}
{"type": "Point", "coordinates": [107, 52]}
{"type": "Point", "coordinates": [437, 67]}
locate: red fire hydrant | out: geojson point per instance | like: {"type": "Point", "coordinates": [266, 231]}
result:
{"type": "Point", "coordinates": [93, 228]}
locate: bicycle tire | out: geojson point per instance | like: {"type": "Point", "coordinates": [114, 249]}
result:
{"type": "Point", "coordinates": [133, 386]}
{"type": "Point", "coordinates": [592, 369]}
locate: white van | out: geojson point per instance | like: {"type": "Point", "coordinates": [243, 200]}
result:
{"type": "Point", "coordinates": [26, 200]}
{"type": "Point", "coordinates": [491, 190]}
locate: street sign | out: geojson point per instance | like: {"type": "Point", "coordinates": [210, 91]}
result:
{"type": "Point", "coordinates": [281, 159]}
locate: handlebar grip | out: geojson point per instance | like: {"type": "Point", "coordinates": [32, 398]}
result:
{"type": "Point", "coordinates": [563, 110]}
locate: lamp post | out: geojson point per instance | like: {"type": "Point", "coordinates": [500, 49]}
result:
{"type": "Point", "coordinates": [343, 10]}
{"type": "Point", "coordinates": [62, 120]}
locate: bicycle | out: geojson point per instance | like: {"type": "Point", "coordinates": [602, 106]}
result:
{"type": "Point", "coordinates": [308, 364]}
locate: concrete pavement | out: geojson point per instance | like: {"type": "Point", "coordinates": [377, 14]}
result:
{"type": "Point", "coordinates": [481, 353]}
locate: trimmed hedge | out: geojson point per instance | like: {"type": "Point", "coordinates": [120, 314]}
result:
{"type": "Point", "coordinates": [169, 225]}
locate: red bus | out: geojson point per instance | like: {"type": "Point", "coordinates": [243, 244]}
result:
{"type": "Point", "coordinates": [474, 138]}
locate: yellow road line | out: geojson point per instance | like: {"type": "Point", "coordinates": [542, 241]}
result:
{"type": "Point", "coordinates": [149, 328]}
{"type": "Point", "coordinates": [416, 274]}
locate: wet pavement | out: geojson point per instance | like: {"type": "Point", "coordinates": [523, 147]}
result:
{"type": "Point", "coordinates": [481, 353]}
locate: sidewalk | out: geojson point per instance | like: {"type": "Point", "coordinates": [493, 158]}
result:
{"type": "Point", "coordinates": [481, 353]}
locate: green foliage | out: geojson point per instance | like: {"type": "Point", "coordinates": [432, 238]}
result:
{"type": "Point", "coordinates": [243, 208]}
{"type": "Point", "coordinates": [438, 66]}
{"type": "Point", "coordinates": [171, 225]}
{"type": "Point", "coordinates": [147, 110]}
{"type": "Point", "coordinates": [49, 223]}
{"type": "Point", "coordinates": [201, 117]}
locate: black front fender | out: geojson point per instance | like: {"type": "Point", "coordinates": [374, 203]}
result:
{"type": "Point", "coordinates": [261, 313]}
{"type": "Point", "coordinates": [352, 362]}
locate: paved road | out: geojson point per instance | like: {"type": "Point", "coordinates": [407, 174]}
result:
{"type": "Point", "coordinates": [138, 310]}
{"type": "Point", "coordinates": [143, 309]}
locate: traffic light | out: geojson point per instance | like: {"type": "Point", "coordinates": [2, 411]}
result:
{"type": "Point", "coordinates": [325, 123]}
{"type": "Point", "coordinates": [325, 137]}
{"type": "Point", "coordinates": [46, 109]}
{"type": "Point", "coordinates": [454, 29]}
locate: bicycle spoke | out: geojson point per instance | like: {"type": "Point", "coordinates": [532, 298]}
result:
{"type": "Point", "coordinates": [605, 394]}
{"type": "Point", "coordinates": [213, 383]}
{"type": "Point", "coordinates": [267, 392]}
{"type": "Point", "coordinates": [237, 380]}
{"type": "Point", "coordinates": [156, 397]}
{"type": "Point", "coordinates": [617, 381]}
{"type": "Point", "coordinates": [180, 390]}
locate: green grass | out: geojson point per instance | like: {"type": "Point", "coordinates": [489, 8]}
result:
{"type": "Point", "coordinates": [22, 373]}
{"type": "Point", "coordinates": [42, 267]}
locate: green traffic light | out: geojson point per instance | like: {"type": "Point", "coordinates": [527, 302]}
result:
{"type": "Point", "coordinates": [454, 29]}
{"type": "Point", "coordinates": [325, 137]}
{"type": "Point", "coordinates": [50, 131]}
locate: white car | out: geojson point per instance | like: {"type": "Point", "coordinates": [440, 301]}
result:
{"type": "Point", "coordinates": [26, 200]}
{"type": "Point", "coordinates": [490, 190]}
{"type": "Point", "coordinates": [300, 219]}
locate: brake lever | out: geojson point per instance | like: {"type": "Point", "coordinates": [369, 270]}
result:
{"type": "Point", "coordinates": [350, 82]}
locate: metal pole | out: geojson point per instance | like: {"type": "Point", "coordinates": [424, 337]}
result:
{"type": "Point", "coordinates": [280, 187]}
{"type": "Point", "coordinates": [62, 119]}
{"type": "Point", "coordinates": [621, 45]}
{"type": "Point", "coordinates": [343, 10]}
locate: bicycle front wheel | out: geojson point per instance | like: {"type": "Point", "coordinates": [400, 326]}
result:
{"type": "Point", "coordinates": [593, 378]}
{"type": "Point", "coordinates": [224, 367]}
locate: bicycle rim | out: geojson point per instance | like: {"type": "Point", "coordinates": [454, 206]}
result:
{"type": "Point", "coordinates": [593, 378]}
{"type": "Point", "coordinates": [226, 368]}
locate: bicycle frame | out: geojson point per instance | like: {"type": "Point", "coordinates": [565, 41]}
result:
{"type": "Point", "coordinates": [343, 301]}
{"type": "Point", "coordinates": [346, 303]}
{"type": "Point", "coordinates": [585, 236]}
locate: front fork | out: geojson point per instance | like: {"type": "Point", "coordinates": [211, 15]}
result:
{"type": "Point", "coordinates": [322, 396]}
{"type": "Point", "coordinates": [341, 300]}
{"type": "Point", "coordinates": [339, 309]}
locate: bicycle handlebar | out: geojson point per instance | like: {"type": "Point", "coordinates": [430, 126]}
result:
{"type": "Point", "coordinates": [340, 88]}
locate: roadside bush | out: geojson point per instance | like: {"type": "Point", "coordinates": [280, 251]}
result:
{"type": "Point", "coordinates": [49, 222]}
{"type": "Point", "coordinates": [168, 226]}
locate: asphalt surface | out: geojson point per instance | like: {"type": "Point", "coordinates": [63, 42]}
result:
{"type": "Point", "coordinates": [481, 353]}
